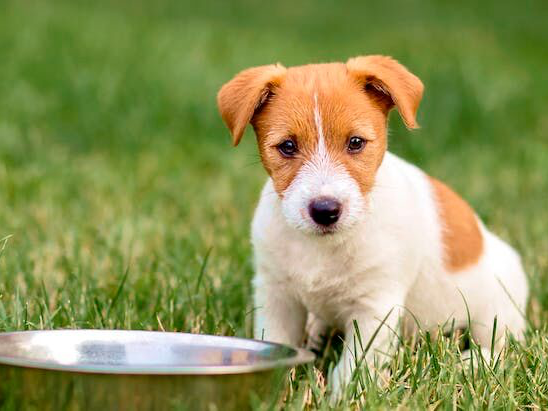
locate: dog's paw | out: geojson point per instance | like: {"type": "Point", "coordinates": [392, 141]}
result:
{"type": "Point", "coordinates": [316, 331]}
{"type": "Point", "coordinates": [338, 382]}
{"type": "Point", "coordinates": [341, 379]}
{"type": "Point", "coordinates": [483, 354]}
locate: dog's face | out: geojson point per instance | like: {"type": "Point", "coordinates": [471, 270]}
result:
{"type": "Point", "coordinates": [321, 131]}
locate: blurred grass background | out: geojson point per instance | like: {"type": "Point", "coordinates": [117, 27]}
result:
{"type": "Point", "coordinates": [123, 205]}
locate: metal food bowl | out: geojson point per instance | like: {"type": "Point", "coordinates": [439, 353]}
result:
{"type": "Point", "coordinates": [118, 370]}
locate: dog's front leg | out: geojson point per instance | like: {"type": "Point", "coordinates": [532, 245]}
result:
{"type": "Point", "coordinates": [369, 336]}
{"type": "Point", "coordinates": [279, 316]}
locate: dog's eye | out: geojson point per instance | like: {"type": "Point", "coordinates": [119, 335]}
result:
{"type": "Point", "coordinates": [356, 144]}
{"type": "Point", "coordinates": [288, 148]}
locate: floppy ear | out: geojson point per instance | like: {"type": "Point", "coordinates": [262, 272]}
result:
{"type": "Point", "coordinates": [243, 96]}
{"type": "Point", "coordinates": [390, 83]}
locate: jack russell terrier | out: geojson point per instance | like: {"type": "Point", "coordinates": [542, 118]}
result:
{"type": "Point", "coordinates": [351, 235]}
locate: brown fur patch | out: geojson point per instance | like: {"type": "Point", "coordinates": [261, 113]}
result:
{"type": "Point", "coordinates": [462, 238]}
{"type": "Point", "coordinates": [386, 76]}
{"type": "Point", "coordinates": [240, 98]}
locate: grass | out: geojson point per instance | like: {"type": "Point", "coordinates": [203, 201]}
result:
{"type": "Point", "coordinates": [122, 204]}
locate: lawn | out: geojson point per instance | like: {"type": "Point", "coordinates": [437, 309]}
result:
{"type": "Point", "coordinates": [123, 205]}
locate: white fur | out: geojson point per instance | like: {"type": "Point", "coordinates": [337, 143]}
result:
{"type": "Point", "coordinates": [386, 255]}
{"type": "Point", "coordinates": [322, 149]}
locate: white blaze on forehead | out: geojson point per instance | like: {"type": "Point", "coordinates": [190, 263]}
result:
{"type": "Point", "coordinates": [320, 167]}
{"type": "Point", "coordinates": [322, 150]}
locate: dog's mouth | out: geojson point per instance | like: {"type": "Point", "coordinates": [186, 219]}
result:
{"type": "Point", "coordinates": [326, 231]}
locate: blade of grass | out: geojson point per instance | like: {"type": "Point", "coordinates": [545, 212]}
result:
{"type": "Point", "coordinates": [118, 291]}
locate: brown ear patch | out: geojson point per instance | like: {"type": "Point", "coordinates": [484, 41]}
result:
{"type": "Point", "coordinates": [461, 235]}
{"type": "Point", "coordinates": [384, 77]}
{"type": "Point", "coordinates": [243, 96]}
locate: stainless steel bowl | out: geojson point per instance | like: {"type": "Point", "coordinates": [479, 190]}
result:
{"type": "Point", "coordinates": [104, 369]}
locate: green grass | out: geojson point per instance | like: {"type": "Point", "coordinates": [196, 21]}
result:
{"type": "Point", "coordinates": [117, 179]}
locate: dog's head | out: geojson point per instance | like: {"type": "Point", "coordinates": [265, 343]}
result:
{"type": "Point", "coordinates": [321, 131]}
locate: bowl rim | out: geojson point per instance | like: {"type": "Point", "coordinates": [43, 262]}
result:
{"type": "Point", "coordinates": [301, 356]}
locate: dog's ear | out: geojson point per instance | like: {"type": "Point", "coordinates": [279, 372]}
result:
{"type": "Point", "coordinates": [243, 96]}
{"type": "Point", "coordinates": [390, 83]}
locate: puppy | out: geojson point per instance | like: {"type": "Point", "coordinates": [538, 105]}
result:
{"type": "Point", "coordinates": [351, 234]}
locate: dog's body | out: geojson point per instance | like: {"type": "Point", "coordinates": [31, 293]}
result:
{"type": "Point", "coordinates": [393, 259]}
{"type": "Point", "coordinates": [351, 234]}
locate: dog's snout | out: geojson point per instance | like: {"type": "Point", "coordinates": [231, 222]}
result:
{"type": "Point", "coordinates": [325, 210]}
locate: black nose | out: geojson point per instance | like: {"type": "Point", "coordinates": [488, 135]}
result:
{"type": "Point", "coordinates": [325, 210]}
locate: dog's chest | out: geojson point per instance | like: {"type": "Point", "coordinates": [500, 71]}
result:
{"type": "Point", "coordinates": [328, 280]}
